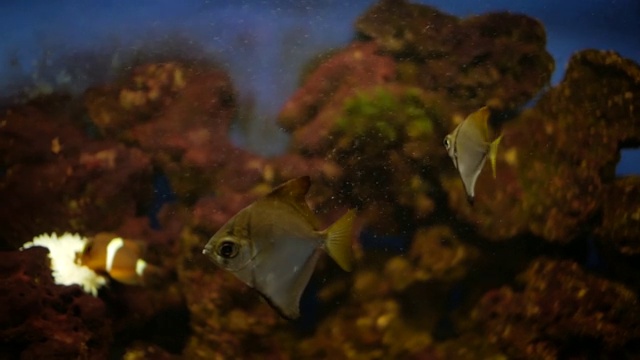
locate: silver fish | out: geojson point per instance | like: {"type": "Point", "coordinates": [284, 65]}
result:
{"type": "Point", "coordinates": [469, 145]}
{"type": "Point", "coordinates": [273, 245]}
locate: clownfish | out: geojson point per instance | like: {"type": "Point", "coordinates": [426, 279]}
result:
{"type": "Point", "coordinates": [120, 258]}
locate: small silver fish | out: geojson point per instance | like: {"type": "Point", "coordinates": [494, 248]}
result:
{"type": "Point", "coordinates": [273, 245]}
{"type": "Point", "coordinates": [468, 146]}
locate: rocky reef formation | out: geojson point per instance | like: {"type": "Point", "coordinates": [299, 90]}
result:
{"type": "Point", "coordinates": [541, 266]}
{"type": "Point", "coordinates": [41, 320]}
{"type": "Point", "coordinates": [387, 125]}
{"type": "Point", "coordinates": [498, 59]}
{"type": "Point", "coordinates": [562, 312]}
{"type": "Point", "coordinates": [56, 177]}
{"type": "Point", "coordinates": [558, 159]}
{"type": "Point", "coordinates": [620, 224]}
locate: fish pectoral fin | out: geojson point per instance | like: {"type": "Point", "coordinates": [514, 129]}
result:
{"type": "Point", "coordinates": [493, 154]}
{"type": "Point", "coordinates": [338, 240]}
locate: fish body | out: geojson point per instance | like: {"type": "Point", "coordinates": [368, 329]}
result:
{"type": "Point", "coordinates": [469, 145]}
{"type": "Point", "coordinates": [120, 258]}
{"type": "Point", "coordinates": [273, 245]}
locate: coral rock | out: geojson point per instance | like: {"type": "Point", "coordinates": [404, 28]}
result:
{"type": "Point", "coordinates": [177, 113]}
{"type": "Point", "coordinates": [314, 108]}
{"type": "Point", "coordinates": [435, 254]}
{"type": "Point", "coordinates": [560, 303]}
{"type": "Point", "coordinates": [558, 159]}
{"type": "Point", "coordinates": [42, 320]}
{"type": "Point", "coordinates": [59, 179]}
{"type": "Point", "coordinates": [497, 58]}
{"type": "Point", "coordinates": [621, 215]}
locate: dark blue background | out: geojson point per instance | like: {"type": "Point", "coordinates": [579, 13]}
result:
{"type": "Point", "coordinates": [263, 44]}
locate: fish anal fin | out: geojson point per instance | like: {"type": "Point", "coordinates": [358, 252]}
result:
{"type": "Point", "coordinates": [338, 240]}
{"type": "Point", "coordinates": [471, 199]}
{"type": "Point", "coordinates": [289, 314]}
{"type": "Point", "coordinates": [282, 288]}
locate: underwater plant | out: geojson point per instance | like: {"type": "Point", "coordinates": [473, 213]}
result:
{"type": "Point", "coordinates": [64, 251]}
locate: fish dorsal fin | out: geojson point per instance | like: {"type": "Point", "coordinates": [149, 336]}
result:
{"type": "Point", "coordinates": [293, 189]}
{"type": "Point", "coordinates": [480, 119]}
{"type": "Point", "coordinates": [293, 192]}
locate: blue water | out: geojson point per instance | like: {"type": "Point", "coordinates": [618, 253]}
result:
{"type": "Point", "coordinates": [629, 163]}
{"type": "Point", "coordinates": [262, 44]}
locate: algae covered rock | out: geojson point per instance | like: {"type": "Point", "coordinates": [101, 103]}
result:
{"type": "Point", "coordinates": [380, 107]}
{"type": "Point", "coordinates": [312, 110]}
{"type": "Point", "coordinates": [59, 178]}
{"type": "Point", "coordinates": [436, 254]}
{"type": "Point", "coordinates": [370, 325]}
{"type": "Point", "coordinates": [176, 112]}
{"type": "Point", "coordinates": [497, 58]}
{"type": "Point", "coordinates": [381, 138]}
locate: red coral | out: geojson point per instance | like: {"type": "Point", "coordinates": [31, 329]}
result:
{"type": "Point", "coordinates": [59, 179]}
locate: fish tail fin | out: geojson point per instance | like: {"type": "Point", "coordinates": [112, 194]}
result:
{"type": "Point", "coordinates": [338, 240]}
{"type": "Point", "coordinates": [493, 154]}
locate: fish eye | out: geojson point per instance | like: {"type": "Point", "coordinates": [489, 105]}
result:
{"type": "Point", "coordinates": [227, 249]}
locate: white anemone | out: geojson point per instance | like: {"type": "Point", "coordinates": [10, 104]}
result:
{"type": "Point", "coordinates": [63, 252]}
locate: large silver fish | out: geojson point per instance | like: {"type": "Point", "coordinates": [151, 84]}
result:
{"type": "Point", "coordinates": [469, 145]}
{"type": "Point", "coordinates": [273, 245]}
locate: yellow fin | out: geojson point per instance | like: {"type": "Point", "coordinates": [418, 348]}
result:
{"type": "Point", "coordinates": [493, 154]}
{"type": "Point", "coordinates": [338, 240]}
{"type": "Point", "coordinates": [480, 119]}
